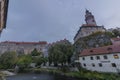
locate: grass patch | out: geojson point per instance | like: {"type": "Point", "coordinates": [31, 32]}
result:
{"type": "Point", "coordinates": [83, 74]}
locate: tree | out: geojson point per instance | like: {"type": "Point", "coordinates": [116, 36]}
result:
{"type": "Point", "coordinates": [24, 61]}
{"type": "Point", "coordinates": [116, 32]}
{"type": "Point", "coordinates": [8, 60]}
{"type": "Point", "coordinates": [110, 34]}
{"type": "Point", "coordinates": [45, 60]}
{"type": "Point", "coordinates": [60, 53]}
{"type": "Point", "coordinates": [54, 54]}
{"type": "Point", "coordinates": [39, 60]}
{"type": "Point", "coordinates": [35, 52]}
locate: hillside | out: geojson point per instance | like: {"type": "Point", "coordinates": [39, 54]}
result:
{"type": "Point", "coordinates": [97, 39]}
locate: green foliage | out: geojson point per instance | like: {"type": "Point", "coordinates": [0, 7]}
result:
{"type": "Point", "coordinates": [110, 34]}
{"type": "Point", "coordinates": [96, 33]}
{"type": "Point", "coordinates": [8, 60]}
{"type": "Point", "coordinates": [64, 69]}
{"type": "Point", "coordinates": [93, 75]}
{"type": "Point", "coordinates": [60, 53]}
{"type": "Point", "coordinates": [83, 74]}
{"type": "Point", "coordinates": [95, 39]}
{"type": "Point", "coordinates": [24, 61]}
{"type": "Point", "coordinates": [35, 53]}
{"type": "Point", "coordinates": [45, 60]}
{"type": "Point", "coordinates": [116, 32]}
{"type": "Point", "coordinates": [108, 43]}
{"type": "Point", "coordinates": [38, 60]}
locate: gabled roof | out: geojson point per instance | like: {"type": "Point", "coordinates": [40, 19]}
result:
{"type": "Point", "coordinates": [101, 50]}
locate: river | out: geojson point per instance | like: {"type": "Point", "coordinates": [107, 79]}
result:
{"type": "Point", "coordinates": [41, 76]}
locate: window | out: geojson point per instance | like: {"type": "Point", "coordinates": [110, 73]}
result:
{"type": "Point", "coordinates": [100, 64]}
{"type": "Point", "coordinates": [93, 64]}
{"type": "Point", "coordinates": [91, 58]}
{"type": "Point", "coordinates": [83, 58]}
{"type": "Point", "coordinates": [91, 50]}
{"type": "Point", "coordinates": [109, 49]}
{"type": "Point", "coordinates": [113, 64]}
{"type": "Point", "coordinates": [84, 64]}
{"type": "Point", "coordinates": [97, 57]}
{"type": "Point", "coordinates": [105, 57]}
{"type": "Point", "coordinates": [116, 56]}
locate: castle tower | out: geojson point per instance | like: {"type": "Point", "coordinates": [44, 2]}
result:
{"type": "Point", "coordinates": [89, 18]}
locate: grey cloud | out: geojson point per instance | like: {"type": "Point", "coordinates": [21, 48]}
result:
{"type": "Point", "coordinates": [51, 20]}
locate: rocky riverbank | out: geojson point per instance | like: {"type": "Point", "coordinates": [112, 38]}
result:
{"type": "Point", "coordinates": [7, 73]}
{"type": "Point", "coordinates": [3, 74]}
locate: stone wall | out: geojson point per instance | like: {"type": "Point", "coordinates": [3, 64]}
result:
{"type": "Point", "coordinates": [22, 47]}
{"type": "Point", "coordinates": [88, 30]}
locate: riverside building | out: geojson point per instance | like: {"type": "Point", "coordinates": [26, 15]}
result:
{"type": "Point", "coordinates": [102, 59]}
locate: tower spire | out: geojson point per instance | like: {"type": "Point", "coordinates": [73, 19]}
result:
{"type": "Point", "coordinates": [89, 18]}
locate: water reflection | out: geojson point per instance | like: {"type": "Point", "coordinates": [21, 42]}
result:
{"type": "Point", "coordinates": [31, 77]}
{"type": "Point", "coordinates": [43, 76]}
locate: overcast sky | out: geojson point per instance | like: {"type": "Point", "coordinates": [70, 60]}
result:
{"type": "Point", "coordinates": [52, 20]}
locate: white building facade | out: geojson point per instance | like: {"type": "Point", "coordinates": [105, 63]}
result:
{"type": "Point", "coordinates": [103, 59]}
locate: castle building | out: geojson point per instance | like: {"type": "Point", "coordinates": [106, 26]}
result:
{"type": "Point", "coordinates": [88, 28]}
{"type": "Point", "coordinates": [23, 47]}
{"type": "Point", "coordinates": [3, 13]}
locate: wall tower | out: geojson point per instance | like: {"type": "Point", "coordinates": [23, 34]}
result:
{"type": "Point", "coordinates": [89, 18]}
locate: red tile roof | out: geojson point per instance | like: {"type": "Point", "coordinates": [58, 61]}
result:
{"type": "Point", "coordinates": [40, 42]}
{"type": "Point", "coordinates": [116, 39]}
{"type": "Point", "coordinates": [101, 50]}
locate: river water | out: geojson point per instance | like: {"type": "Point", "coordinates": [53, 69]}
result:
{"type": "Point", "coordinates": [42, 76]}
